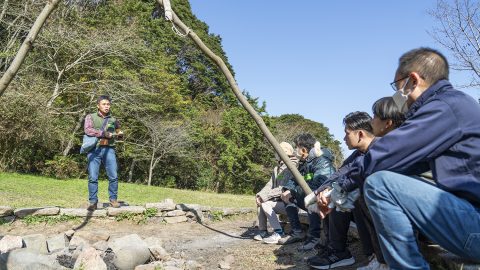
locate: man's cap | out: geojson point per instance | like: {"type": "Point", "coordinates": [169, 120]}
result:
{"type": "Point", "coordinates": [288, 148]}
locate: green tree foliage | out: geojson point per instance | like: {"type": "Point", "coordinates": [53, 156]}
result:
{"type": "Point", "coordinates": [289, 125]}
{"type": "Point", "coordinates": [156, 78]}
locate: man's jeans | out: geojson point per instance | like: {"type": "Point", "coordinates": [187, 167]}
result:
{"type": "Point", "coordinates": [96, 157]}
{"type": "Point", "coordinates": [401, 204]}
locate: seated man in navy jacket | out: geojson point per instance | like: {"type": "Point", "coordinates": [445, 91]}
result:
{"type": "Point", "coordinates": [442, 134]}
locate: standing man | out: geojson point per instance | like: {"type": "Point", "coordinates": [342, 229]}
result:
{"type": "Point", "coordinates": [103, 126]}
{"type": "Point", "coordinates": [442, 134]}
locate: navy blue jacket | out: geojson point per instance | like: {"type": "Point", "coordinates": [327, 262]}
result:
{"type": "Point", "coordinates": [441, 133]}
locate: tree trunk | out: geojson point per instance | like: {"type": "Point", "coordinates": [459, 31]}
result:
{"type": "Point", "coordinates": [75, 130]}
{"type": "Point", "coordinates": [27, 45]}
{"type": "Point", "coordinates": [130, 171]}
{"type": "Point", "coordinates": [150, 169]}
{"type": "Point", "coordinates": [258, 120]}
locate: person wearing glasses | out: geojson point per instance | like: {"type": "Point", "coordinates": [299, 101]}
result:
{"type": "Point", "coordinates": [360, 133]}
{"type": "Point", "coordinates": [441, 133]}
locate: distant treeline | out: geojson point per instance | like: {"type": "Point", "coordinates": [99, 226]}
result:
{"type": "Point", "coordinates": [184, 127]}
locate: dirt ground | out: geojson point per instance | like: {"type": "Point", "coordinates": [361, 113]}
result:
{"type": "Point", "coordinates": [208, 244]}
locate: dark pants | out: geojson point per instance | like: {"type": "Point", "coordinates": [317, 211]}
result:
{"type": "Point", "coordinates": [314, 227]}
{"type": "Point", "coordinates": [371, 238]}
{"type": "Point", "coordinates": [339, 225]}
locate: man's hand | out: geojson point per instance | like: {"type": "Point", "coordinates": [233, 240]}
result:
{"type": "Point", "coordinates": [259, 201]}
{"type": "Point", "coordinates": [286, 196]}
{"type": "Point", "coordinates": [108, 135]}
{"type": "Point", "coordinates": [323, 200]}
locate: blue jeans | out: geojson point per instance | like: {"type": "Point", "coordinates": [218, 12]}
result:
{"type": "Point", "coordinates": [401, 204]}
{"type": "Point", "coordinates": [96, 157]}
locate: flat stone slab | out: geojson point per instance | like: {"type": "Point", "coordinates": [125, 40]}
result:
{"type": "Point", "coordinates": [113, 212]}
{"type": "Point", "coordinates": [78, 212]}
{"type": "Point", "coordinates": [36, 242]}
{"type": "Point", "coordinates": [162, 206]}
{"type": "Point", "coordinates": [93, 237]}
{"type": "Point", "coordinates": [36, 211]}
{"type": "Point", "coordinates": [188, 207]}
{"type": "Point", "coordinates": [175, 213]}
{"type": "Point", "coordinates": [10, 242]}
{"type": "Point", "coordinates": [6, 211]}
{"type": "Point", "coordinates": [173, 220]}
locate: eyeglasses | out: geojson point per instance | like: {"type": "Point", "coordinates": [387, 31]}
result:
{"type": "Point", "coordinates": [394, 84]}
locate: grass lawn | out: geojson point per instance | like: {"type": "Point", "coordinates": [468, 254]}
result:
{"type": "Point", "coordinates": [19, 190]}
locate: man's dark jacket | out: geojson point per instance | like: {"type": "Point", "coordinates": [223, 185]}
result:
{"type": "Point", "coordinates": [442, 134]}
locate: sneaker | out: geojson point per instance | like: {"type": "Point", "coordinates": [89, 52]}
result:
{"type": "Point", "coordinates": [114, 204]}
{"type": "Point", "coordinates": [309, 244]}
{"type": "Point", "coordinates": [374, 265]}
{"type": "Point", "coordinates": [321, 251]}
{"type": "Point", "coordinates": [92, 207]}
{"type": "Point", "coordinates": [260, 235]}
{"type": "Point", "coordinates": [272, 239]}
{"type": "Point", "coordinates": [292, 237]}
{"type": "Point", "coordinates": [332, 259]}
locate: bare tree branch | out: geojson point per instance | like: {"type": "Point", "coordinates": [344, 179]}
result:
{"type": "Point", "coordinates": [27, 45]}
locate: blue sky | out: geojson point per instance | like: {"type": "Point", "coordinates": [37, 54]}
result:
{"type": "Point", "coordinates": [320, 59]}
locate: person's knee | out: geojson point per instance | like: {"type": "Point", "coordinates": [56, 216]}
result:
{"type": "Point", "coordinates": [375, 183]}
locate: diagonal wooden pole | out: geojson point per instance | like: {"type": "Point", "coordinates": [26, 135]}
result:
{"type": "Point", "coordinates": [259, 121]}
{"type": "Point", "coordinates": [26, 45]}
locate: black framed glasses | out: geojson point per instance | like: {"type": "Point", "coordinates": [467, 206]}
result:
{"type": "Point", "coordinates": [394, 84]}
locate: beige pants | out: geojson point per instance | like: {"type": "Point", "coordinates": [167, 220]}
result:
{"type": "Point", "coordinates": [268, 211]}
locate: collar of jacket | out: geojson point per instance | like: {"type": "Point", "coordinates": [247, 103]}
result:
{"type": "Point", "coordinates": [106, 116]}
{"type": "Point", "coordinates": [434, 89]}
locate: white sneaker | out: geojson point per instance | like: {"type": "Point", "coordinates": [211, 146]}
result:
{"type": "Point", "coordinates": [272, 239]}
{"type": "Point", "coordinates": [374, 265]}
{"type": "Point", "coordinates": [260, 235]}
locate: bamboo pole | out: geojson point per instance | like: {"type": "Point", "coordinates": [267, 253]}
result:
{"type": "Point", "coordinates": [258, 120]}
{"type": "Point", "coordinates": [26, 45]}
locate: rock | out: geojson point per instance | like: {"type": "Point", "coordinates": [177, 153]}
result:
{"type": "Point", "coordinates": [188, 207]}
{"type": "Point", "coordinates": [193, 265]}
{"type": "Point", "coordinates": [173, 220]}
{"type": "Point", "coordinates": [226, 262]}
{"type": "Point", "coordinates": [37, 211]}
{"type": "Point", "coordinates": [150, 266]}
{"type": "Point", "coordinates": [90, 259]}
{"type": "Point", "coordinates": [93, 237]}
{"type": "Point", "coordinates": [101, 245]}
{"type": "Point", "coordinates": [153, 241]}
{"type": "Point", "coordinates": [22, 259]}
{"type": "Point", "coordinates": [130, 251]}
{"type": "Point", "coordinates": [36, 242]}
{"type": "Point", "coordinates": [166, 205]}
{"type": "Point", "coordinates": [47, 211]}
{"type": "Point", "coordinates": [78, 242]}
{"type": "Point", "coordinates": [7, 219]}
{"type": "Point", "coordinates": [113, 212]}
{"type": "Point", "coordinates": [171, 267]}
{"type": "Point", "coordinates": [10, 242]}
{"type": "Point", "coordinates": [159, 253]}
{"type": "Point", "coordinates": [69, 233]}
{"type": "Point", "coordinates": [175, 213]}
{"type": "Point", "coordinates": [6, 211]}
{"type": "Point", "coordinates": [175, 263]}
{"type": "Point", "coordinates": [78, 212]}
{"type": "Point", "coordinates": [56, 243]}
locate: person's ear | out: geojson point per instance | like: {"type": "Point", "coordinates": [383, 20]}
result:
{"type": "Point", "coordinates": [389, 124]}
{"type": "Point", "coordinates": [360, 135]}
{"type": "Point", "coordinates": [415, 79]}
